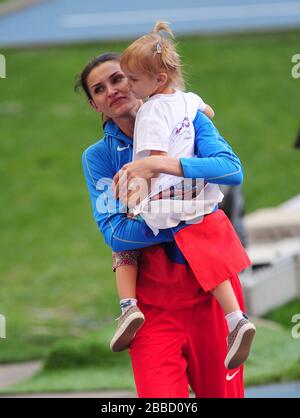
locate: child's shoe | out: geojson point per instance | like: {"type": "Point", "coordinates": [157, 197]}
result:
{"type": "Point", "coordinates": [128, 325]}
{"type": "Point", "coordinates": [239, 343]}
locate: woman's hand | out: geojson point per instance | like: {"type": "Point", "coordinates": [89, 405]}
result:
{"type": "Point", "coordinates": [142, 170]}
{"type": "Point", "coordinates": [147, 169]}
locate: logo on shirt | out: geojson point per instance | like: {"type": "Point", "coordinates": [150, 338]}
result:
{"type": "Point", "coordinates": [230, 377]}
{"type": "Point", "coordinates": [122, 148]}
{"type": "Point", "coordinates": [183, 128]}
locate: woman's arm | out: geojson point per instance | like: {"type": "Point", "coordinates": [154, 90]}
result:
{"type": "Point", "coordinates": [141, 190]}
{"type": "Point", "coordinates": [216, 162]}
{"type": "Point", "coordinates": [119, 232]}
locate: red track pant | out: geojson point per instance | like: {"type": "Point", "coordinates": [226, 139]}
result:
{"type": "Point", "coordinates": [180, 347]}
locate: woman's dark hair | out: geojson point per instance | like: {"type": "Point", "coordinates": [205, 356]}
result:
{"type": "Point", "coordinates": [81, 83]}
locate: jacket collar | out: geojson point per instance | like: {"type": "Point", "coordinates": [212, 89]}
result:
{"type": "Point", "coordinates": [111, 129]}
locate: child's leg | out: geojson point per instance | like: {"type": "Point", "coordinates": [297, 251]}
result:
{"type": "Point", "coordinates": [241, 331]}
{"type": "Point", "coordinates": [125, 266]}
{"type": "Point", "coordinates": [131, 319]}
{"type": "Point", "coordinates": [226, 297]}
{"type": "Point", "coordinates": [126, 281]}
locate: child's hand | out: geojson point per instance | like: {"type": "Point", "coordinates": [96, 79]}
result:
{"type": "Point", "coordinates": [209, 111]}
{"type": "Point", "coordinates": [130, 215]}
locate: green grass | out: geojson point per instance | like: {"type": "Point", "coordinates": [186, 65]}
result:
{"type": "Point", "coordinates": [284, 314]}
{"type": "Point", "coordinates": [275, 356]}
{"type": "Point", "coordinates": [77, 380]}
{"type": "Point", "coordinates": [5, 1]}
{"type": "Point", "coordinates": [87, 364]}
{"type": "Point", "coordinates": [81, 364]}
{"type": "Point", "coordinates": [56, 278]}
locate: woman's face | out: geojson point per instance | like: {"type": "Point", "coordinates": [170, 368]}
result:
{"type": "Point", "coordinates": [109, 89]}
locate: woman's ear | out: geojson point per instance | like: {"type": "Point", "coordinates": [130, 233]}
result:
{"type": "Point", "coordinates": [93, 104]}
{"type": "Point", "coordinates": [162, 78]}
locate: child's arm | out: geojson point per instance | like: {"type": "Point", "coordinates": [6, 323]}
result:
{"type": "Point", "coordinates": [161, 153]}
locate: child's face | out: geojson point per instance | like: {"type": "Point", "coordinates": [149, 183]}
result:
{"type": "Point", "coordinates": [142, 85]}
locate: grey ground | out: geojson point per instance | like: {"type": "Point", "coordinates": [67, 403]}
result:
{"type": "Point", "coordinates": [14, 373]}
{"type": "Point", "coordinates": [65, 21]}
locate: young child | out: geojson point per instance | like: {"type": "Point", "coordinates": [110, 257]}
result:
{"type": "Point", "coordinates": [164, 127]}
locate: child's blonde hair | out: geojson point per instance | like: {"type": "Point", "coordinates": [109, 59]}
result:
{"type": "Point", "coordinates": [154, 53]}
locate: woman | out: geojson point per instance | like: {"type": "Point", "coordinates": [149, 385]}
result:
{"type": "Point", "coordinates": [183, 340]}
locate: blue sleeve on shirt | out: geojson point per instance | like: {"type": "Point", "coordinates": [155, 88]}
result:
{"type": "Point", "coordinates": [119, 232]}
{"type": "Point", "coordinates": [216, 162]}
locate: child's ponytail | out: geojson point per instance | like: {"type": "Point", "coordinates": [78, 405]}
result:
{"type": "Point", "coordinates": [154, 53]}
{"type": "Point", "coordinates": [164, 47]}
{"type": "Point", "coordinates": [162, 26]}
